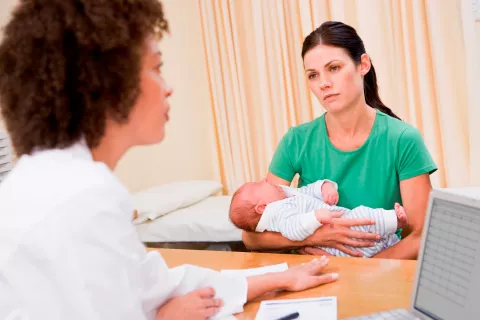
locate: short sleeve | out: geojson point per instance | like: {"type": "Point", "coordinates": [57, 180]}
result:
{"type": "Point", "coordinates": [413, 157]}
{"type": "Point", "coordinates": [282, 165]}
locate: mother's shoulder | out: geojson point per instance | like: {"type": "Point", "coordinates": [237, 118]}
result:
{"type": "Point", "coordinates": [396, 128]}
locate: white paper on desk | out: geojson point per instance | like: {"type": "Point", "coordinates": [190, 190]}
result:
{"type": "Point", "coordinates": [257, 271]}
{"type": "Point", "coordinates": [324, 308]}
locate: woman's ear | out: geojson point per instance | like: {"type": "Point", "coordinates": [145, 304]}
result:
{"type": "Point", "coordinates": [260, 208]}
{"type": "Point", "coordinates": [365, 64]}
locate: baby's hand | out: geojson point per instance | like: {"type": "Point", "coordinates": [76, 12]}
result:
{"type": "Point", "coordinates": [329, 193]}
{"type": "Point", "coordinates": [325, 216]}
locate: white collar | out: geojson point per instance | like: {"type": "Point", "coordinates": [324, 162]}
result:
{"type": "Point", "coordinates": [79, 149]}
{"type": "Point", "coordinates": [268, 214]}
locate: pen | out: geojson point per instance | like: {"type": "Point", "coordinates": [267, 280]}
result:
{"type": "Point", "coordinates": [291, 316]}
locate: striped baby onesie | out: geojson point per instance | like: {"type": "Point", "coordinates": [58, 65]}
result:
{"type": "Point", "coordinates": [294, 217]}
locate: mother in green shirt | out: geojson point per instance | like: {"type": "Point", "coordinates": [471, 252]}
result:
{"type": "Point", "coordinates": [375, 158]}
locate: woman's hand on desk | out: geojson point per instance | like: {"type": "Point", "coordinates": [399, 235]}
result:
{"type": "Point", "coordinates": [199, 304]}
{"type": "Point", "coordinates": [298, 278]}
{"type": "Point", "coordinates": [338, 235]}
{"type": "Point", "coordinates": [307, 275]}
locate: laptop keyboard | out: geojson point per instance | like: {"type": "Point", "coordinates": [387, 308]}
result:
{"type": "Point", "coordinates": [397, 314]}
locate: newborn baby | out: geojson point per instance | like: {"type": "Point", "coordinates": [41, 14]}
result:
{"type": "Point", "coordinates": [297, 212]}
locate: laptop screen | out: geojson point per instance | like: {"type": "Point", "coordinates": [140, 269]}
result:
{"type": "Point", "coordinates": [449, 275]}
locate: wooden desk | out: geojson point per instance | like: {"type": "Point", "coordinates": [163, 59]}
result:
{"type": "Point", "coordinates": [365, 285]}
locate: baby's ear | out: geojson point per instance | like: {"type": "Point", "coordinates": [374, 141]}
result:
{"type": "Point", "coordinates": [260, 208]}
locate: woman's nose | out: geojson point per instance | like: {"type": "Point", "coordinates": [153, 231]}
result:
{"type": "Point", "coordinates": [169, 91]}
{"type": "Point", "coordinates": [325, 84]}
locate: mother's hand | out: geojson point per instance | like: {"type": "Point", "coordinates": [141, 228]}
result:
{"type": "Point", "coordinates": [338, 235]}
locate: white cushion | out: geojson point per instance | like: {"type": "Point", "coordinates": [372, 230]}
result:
{"type": "Point", "coordinates": [205, 221]}
{"type": "Point", "coordinates": [163, 199]}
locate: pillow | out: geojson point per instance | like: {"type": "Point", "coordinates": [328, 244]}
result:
{"type": "Point", "coordinates": [205, 221]}
{"type": "Point", "coordinates": [160, 200]}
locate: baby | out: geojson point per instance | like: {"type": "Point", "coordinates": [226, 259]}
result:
{"type": "Point", "coordinates": [297, 212]}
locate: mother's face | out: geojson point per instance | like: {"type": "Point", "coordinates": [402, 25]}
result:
{"type": "Point", "coordinates": [333, 77]}
{"type": "Point", "coordinates": [150, 113]}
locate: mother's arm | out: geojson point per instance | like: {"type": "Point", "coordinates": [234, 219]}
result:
{"type": "Point", "coordinates": [266, 241]}
{"type": "Point", "coordinates": [415, 192]}
{"type": "Point", "coordinates": [337, 236]}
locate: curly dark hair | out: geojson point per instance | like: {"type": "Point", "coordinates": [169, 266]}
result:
{"type": "Point", "coordinates": [67, 64]}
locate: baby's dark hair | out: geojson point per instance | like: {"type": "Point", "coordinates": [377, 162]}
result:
{"type": "Point", "coordinates": [65, 65]}
{"type": "Point", "coordinates": [242, 212]}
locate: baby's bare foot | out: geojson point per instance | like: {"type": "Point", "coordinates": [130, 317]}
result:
{"type": "Point", "coordinates": [401, 216]}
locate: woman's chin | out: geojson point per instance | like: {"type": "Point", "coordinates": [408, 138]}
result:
{"type": "Point", "coordinates": [334, 108]}
{"type": "Point", "coordinates": [151, 139]}
{"type": "Point", "coordinates": [159, 138]}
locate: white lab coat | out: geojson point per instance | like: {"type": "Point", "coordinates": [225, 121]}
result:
{"type": "Point", "coordinates": [69, 250]}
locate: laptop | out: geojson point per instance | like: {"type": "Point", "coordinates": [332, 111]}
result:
{"type": "Point", "coordinates": [447, 278]}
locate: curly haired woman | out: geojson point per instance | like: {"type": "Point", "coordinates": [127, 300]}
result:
{"type": "Point", "coordinates": [80, 84]}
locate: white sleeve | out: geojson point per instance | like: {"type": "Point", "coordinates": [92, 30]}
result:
{"type": "Point", "coordinates": [122, 281]}
{"type": "Point", "coordinates": [186, 278]}
{"type": "Point", "coordinates": [294, 225]}
{"type": "Point", "coordinates": [312, 189]}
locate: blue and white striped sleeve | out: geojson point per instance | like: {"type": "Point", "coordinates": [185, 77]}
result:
{"type": "Point", "coordinates": [385, 220]}
{"type": "Point", "coordinates": [312, 189]}
{"type": "Point", "coordinates": [292, 224]}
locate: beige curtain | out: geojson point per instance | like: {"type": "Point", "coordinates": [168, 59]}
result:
{"type": "Point", "coordinates": [419, 49]}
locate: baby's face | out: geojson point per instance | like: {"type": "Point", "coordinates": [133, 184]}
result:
{"type": "Point", "coordinates": [266, 192]}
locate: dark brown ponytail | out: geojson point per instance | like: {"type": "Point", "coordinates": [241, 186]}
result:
{"type": "Point", "coordinates": [372, 98]}
{"type": "Point", "coordinates": [338, 34]}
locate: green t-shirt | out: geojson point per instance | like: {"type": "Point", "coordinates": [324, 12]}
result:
{"type": "Point", "coordinates": [368, 176]}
